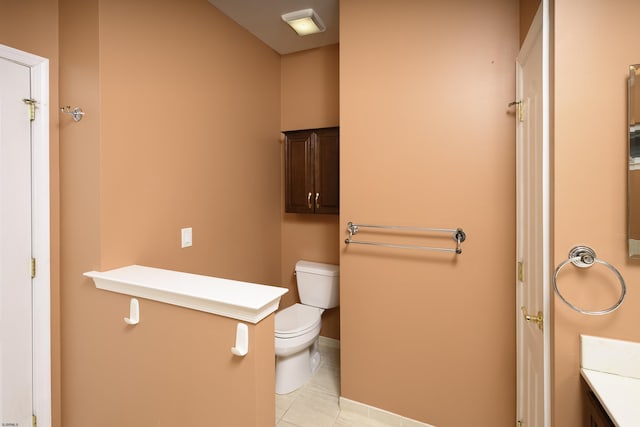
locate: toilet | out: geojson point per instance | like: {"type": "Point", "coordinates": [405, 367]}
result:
{"type": "Point", "coordinates": [297, 327]}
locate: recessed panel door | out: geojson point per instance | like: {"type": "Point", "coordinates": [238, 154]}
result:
{"type": "Point", "coordinates": [327, 171]}
{"type": "Point", "coordinates": [299, 192]}
{"type": "Point", "coordinates": [533, 234]}
{"type": "Point", "coordinates": [15, 247]}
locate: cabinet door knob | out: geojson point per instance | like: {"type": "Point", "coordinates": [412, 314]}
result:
{"type": "Point", "coordinates": [309, 200]}
{"type": "Point", "coordinates": [317, 204]}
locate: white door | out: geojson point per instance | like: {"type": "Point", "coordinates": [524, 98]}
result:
{"type": "Point", "coordinates": [16, 375]}
{"type": "Point", "coordinates": [533, 245]}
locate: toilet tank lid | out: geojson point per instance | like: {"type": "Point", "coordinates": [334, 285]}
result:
{"type": "Point", "coordinates": [317, 268]}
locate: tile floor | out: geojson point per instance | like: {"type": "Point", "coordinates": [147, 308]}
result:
{"type": "Point", "coordinates": [316, 403]}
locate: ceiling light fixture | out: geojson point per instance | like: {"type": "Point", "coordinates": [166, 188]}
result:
{"type": "Point", "coordinates": [304, 22]}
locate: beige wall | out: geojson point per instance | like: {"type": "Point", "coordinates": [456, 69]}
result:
{"type": "Point", "coordinates": [310, 91]}
{"type": "Point", "coordinates": [79, 180]}
{"type": "Point", "coordinates": [190, 138]}
{"type": "Point", "coordinates": [527, 12]}
{"type": "Point", "coordinates": [32, 26]}
{"type": "Point", "coordinates": [595, 42]}
{"type": "Point", "coordinates": [446, 339]}
{"type": "Point", "coordinates": [181, 130]}
{"type": "Point", "coordinates": [427, 140]}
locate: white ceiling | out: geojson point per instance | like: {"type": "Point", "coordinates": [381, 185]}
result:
{"type": "Point", "coordinates": [262, 19]}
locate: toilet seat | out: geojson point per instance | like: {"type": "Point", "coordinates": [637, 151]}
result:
{"type": "Point", "coordinates": [297, 320]}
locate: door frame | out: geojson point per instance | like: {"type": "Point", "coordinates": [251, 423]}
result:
{"type": "Point", "coordinates": [40, 223]}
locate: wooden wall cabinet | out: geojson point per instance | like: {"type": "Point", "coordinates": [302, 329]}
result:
{"type": "Point", "coordinates": [312, 171]}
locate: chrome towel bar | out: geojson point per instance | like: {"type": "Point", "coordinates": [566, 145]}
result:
{"type": "Point", "coordinates": [458, 235]}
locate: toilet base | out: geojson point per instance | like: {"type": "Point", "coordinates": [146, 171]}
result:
{"type": "Point", "coordinates": [293, 371]}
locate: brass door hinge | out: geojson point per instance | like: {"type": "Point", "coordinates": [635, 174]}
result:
{"type": "Point", "coordinates": [520, 271]}
{"type": "Point", "coordinates": [519, 109]}
{"type": "Point", "coordinates": [33, 268]}
{"type": "Point", "coordinates": [34, 421]}
{"type": "Point", "coordinates": [31, 103]}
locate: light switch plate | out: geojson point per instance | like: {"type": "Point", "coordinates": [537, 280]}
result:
{"type": "Point", "coordinates": [187, 237]}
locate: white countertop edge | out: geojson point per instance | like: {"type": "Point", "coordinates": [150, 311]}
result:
{"type": "Point", "coordinates": [617, 394]}
{"type": "Point", "coordinates": [249, 302]}
{"type": "Point", "coordinates": [610, 355]}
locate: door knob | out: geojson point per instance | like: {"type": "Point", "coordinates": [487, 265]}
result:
{"type": "Point", "coordinates": [317, 204]}
{"type": "Point", "coordinates": [529, 318]}
{"type": "Point", "coordinates": [309, 200]}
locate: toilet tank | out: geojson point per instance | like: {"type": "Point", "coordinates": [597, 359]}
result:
{"type": "Point", "coordinates": [318, 283]}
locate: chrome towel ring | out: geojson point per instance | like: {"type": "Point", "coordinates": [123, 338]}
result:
{"type": "Point", "coordinates": [584, 257]}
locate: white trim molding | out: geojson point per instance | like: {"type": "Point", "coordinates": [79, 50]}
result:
{"type": "Point", "coordinates": [377, 415]}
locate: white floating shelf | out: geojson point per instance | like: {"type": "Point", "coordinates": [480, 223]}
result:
{"type": "Point", "coordinates": [245, 301]}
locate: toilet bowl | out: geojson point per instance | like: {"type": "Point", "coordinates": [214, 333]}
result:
{"type": "Point", "coordinates": [297, 328]}
{"type": "Point", "coordinates": [297, 358]}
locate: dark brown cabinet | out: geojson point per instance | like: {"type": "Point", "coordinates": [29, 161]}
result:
{"type": "Point", "coordinates": [312, 171]}
{"type": "Point", "coordinates": [594, 413]}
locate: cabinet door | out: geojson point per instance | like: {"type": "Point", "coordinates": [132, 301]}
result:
{"type": "Point", "coordinates": [299, 193]}
{"type": "Point", "coordinates": [595, 415]}
{"type": "Point", "coordinates": [326, 164]}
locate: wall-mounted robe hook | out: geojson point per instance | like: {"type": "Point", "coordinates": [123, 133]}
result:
{"type": "Point", "coordinates": [134, 313]}
{"type": "Point", "coordinates": [242, 340]}
{"type": "Point", "coordinates": [77, 112]}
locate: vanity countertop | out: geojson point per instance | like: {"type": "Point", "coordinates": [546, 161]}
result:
{"type": "Point", "coordinates": [619, 396]}
{"type": "Point", "coordinates": [611, 368]}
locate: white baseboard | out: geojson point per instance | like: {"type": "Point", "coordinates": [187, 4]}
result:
{"type": "Point", "coordinates": [329, 342]}
{"type": "Point", "coordinates": [380, 415]}
{"type": "Point", "coordinates": [371, 412]}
